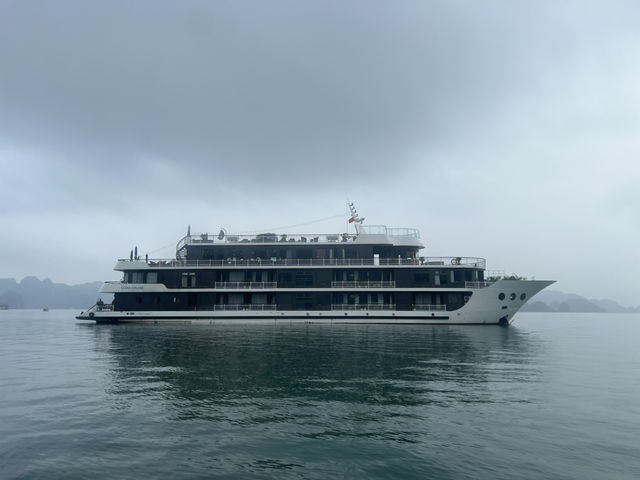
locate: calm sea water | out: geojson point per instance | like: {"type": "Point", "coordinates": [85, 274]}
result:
{"type": "Point", "coordinates": [553, 396]}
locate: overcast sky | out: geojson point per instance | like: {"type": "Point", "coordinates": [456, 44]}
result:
{"type": "Point", "coordinates": [501, 129]}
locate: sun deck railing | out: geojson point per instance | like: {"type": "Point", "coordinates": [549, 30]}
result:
{"type": "Point", "coordinates": [449, 262]}
{"type": "Point", "coordinates": [209, 239]}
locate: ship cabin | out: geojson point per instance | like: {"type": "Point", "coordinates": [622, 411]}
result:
{"type": "Point", "coordinates": [378, 268]}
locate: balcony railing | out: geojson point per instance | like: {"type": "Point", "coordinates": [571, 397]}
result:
{"type": "Point", "coordinates": [449, 262]}
{"type": "Point", "coordinates": [431, 308]}
{"type": "Point", "coordinates": [348, 284]}
{"type": "Point", "coordinates": [477, 284]}
{"type": "Point", "coordinates": [363, 306]}
{"type": "Point", "coordinates": [239, 308]}
{"type": "Point", "coordinates": [239, 285]}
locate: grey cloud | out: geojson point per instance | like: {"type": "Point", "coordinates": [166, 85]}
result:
{"type": "Point", "coordinates": [262, 87]}
{"type": "Point", "coordinates": [482, 123]}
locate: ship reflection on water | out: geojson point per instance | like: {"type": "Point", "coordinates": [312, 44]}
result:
{"type": "Point", "coordinates": [200, 367]}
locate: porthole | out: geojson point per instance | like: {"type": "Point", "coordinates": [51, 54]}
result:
{"type": "Point", "coordinates": [523, 296]}
{"type": "Point", "coordinates": [501, 296]}
{"type": "Point", "coordinates": [512, 296]}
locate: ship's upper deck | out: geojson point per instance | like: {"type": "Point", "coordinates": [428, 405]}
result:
{"type": "Point", "coordinates": [367, 235]}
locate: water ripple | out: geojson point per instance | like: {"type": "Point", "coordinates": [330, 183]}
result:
{"type": "Point", "coordinates": [529, 401]}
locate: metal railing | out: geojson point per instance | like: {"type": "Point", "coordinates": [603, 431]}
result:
{"type": "Point", "coordinates": [363, 306]}
{"type": "Point", "coordinates": [208, 239]}
{"type": "Point", "coordinates": [449, 262]}
{"type": "Point", "coordinates": [238, 285]}
{"type": "Point", "coordinates": [229, 238]}
{"type": "Point", "coordinates": [494, 273]}
{"type": "Point", "coordinates": [477, 284]}
{"type": "Point", "coordinates": [432, 308]}
{"type": "Point", "coordinates": [239, 308]}
{"type": "Point", "coordinates": [353, 284]}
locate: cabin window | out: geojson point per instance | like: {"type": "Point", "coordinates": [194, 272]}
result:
{"type": "Point", "coordinates": [284, 278]}
{"type": "Point", "coordinates": [236, 299]}
{"type": "Point", "coordinates": [152, 277]}
{"type": "Point", "coordinates": [350, 276]}
{"type": "Point", "coordinates": [421, 277]}
{"type": "Point", "coordinates": [523, 296]}
{"type": "Point", "coordinates": [324, 299]}
{"type": "Point", "coordinates": [137, 277]}
{"type": "Point", "coordinates": [304, 302]}
{"type": "Point", "coordinates": [188, 280]}
{"type": "Point", "coordinates": [259, 299]}
{"type": "Point", "coordinates": [236, 276]}
{"type": "Point", "coordinates": [422, 299]}
{"type": "Point", "coordinates": [452, 276]}
{"type": "Point", "coordinates": [138, 299]}
{"type": "Point", "coordinates": [375, 276]}
{"type": "Point", "coordinates": [304, 279]}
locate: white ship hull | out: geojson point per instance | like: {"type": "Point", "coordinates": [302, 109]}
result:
{"type": "Point", "coordinates": [485, 307]}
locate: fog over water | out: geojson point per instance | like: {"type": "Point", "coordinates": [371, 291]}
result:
{"type": "Point", "coordinates": [506, 130]}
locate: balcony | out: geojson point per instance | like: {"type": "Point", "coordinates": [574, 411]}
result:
{"type": "Point", "coordinates": [431, 308]}
{"type": "Point", "coordinates": [243, 285]}
{"type": "Point", "coordinates": [391, 284]}
{"type": "Point", "coordinates": [240, 308]}
{"type": "Point", "coordinates": [363, 306]}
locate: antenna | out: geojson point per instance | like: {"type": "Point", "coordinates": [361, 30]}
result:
{"type": "Point", "coordinates": [355, 219]}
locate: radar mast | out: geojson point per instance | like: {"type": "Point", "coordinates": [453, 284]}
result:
{"type": "Point", "coordinates": [355, 218]}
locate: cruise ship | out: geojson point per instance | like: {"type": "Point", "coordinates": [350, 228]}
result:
{"type": "Point", "coordinates": [373, 274]}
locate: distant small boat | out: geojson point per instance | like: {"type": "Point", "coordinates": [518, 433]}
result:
{"type": "Point", "coordinates": [45, 309]}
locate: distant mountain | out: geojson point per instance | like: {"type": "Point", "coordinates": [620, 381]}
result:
{"type": "Point", "coordinates": [34, 293]}
{"type": "Point", "coordinates": [555, 301]}
{"type": "Point", "coordinates": [536, 307]}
